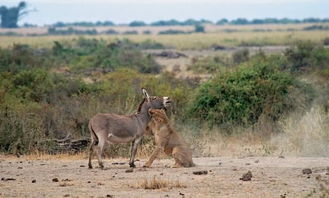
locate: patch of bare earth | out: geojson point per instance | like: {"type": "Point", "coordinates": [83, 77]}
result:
{"type": "Point", "coordinates": [271, 177]}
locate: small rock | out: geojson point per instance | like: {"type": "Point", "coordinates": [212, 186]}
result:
{"type": "Point", "coordinates": [33, 181]}
{"type": "Point", "coordinates": [108, 195]}
{"type": "Point", "coordinates": [88, 182]}
{"type": "Point", "coordinates": [204, 172]}
{"type": "Point", "coordinates": [166, 195]}
{"type": "Point", "coordinates": [234, 169]}
{"type": "Point", "coordinates": [129, 170]}
{"type": "Point", "coordinates": [66, 195]}
{"type": "Point", "coordinates": [281, 156]}
{"type": "Point", "coordinates": [247, 164]}
{"type": "Point", "coordinates": [100, 183]}
{"type": "Point", "coordinates": [247, 176]}
{"type": "Point", "coordinates": [219, 163]}
{"type": "Point", "coordinates": [82, 166]}
{"type": "Point", "coordinates": [115, 163]}
{"type": "Point", "coordinates": [20, 167]}
{"type": "Point", "coordinates": [161, 173]}
{"type": "Point", "coordinates": [181, 194]}
{"type": "Point", "coordinates": [307, 171]}
{"type": "Point", "coordinates": [64, 165]}
{"type": "Point", "coordinates": [55, 180]}
{"type": "Point", "coordinates": [256, 161]}
{"type": "Point", "coordinates": [283, 196]}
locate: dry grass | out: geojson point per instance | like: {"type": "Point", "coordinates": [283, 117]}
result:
{"type": "Point", "coordinates": [158, 183]}
{"type": "Point", "coordinates": [215, 35]}
{"type": "Point", "coordinates": [305, 135]}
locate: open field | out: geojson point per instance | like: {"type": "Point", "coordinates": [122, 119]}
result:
{"type": "Point", "coordinates": [228, 35]}
{"type": "Point", "coordinates": [271, 177]}
{"type": "Point", "coordinates": [186, 41]}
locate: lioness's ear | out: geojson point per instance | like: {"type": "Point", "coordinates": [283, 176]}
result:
{"type": "Point", "coordinates": [146, 95]}
{"type": "Point", "coordinates": [150, 112]}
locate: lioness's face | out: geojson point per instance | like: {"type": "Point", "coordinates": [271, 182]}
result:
{"type": "Point", "coordinates": [159, 115]}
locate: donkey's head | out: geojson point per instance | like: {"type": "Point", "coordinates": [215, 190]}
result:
{"type": "Point", "coordinates": [154, 102]}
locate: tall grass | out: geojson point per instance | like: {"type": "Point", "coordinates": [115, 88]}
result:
{"type": "Point", "coordinates": [304, 135]}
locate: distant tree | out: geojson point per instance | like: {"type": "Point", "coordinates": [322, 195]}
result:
{"type": "Point", "coordinates": [199, 28]}
{"type": "Point", "coordinates": [257, 21]}
{"type": "Point", "coordinates": [10, 16]}
{"type": "Point", "coordinates": [240, 21]}
{"type": "Point", "coordinates": [137, 24]}
{"type": "Point", "coordinates": [191, 22]}
{"type": "Point", "coordinates": [222, 22]}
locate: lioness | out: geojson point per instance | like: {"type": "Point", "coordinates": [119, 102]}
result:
{"type": "Point", "coordinates": [167, 140]}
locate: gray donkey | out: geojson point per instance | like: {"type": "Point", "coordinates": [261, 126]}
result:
{"type": "Point", "coordinates": [115, 128]}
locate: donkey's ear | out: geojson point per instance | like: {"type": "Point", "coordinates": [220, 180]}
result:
{"type": "Point", "coordinates": [146, 95]}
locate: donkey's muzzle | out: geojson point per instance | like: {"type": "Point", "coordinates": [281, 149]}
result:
{"type": "Point", "coordinates": [166, 101]}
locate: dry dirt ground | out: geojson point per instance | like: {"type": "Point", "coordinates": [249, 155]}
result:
{"type": "Point", "coordinates": [271, 177]}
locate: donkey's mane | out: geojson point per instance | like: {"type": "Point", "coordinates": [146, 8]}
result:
{"type": "Point", "coordinates": [140, 106]}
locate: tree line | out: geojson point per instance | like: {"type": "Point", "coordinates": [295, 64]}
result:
{"type": "Point", "coordinates": [11, 15]}
{"type": "Point", "coordinates": [194, 22]}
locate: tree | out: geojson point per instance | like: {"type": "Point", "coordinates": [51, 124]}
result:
{"type": "Point", "coordinates": [10, 16]}
{"type": "Point", "coordinates": [199, 28]}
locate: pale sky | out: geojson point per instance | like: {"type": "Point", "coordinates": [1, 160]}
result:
{"type": "Point", "coordinates": [125, 11]}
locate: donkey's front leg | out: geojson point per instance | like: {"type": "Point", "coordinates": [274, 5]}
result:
{"type": "Point", "coordinates": [134, 146]}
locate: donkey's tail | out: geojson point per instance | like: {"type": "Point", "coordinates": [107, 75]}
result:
{"type": "Point", "coordinates": [94, 138]}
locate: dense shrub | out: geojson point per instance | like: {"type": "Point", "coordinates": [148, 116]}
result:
{"type": "Point", "coordinates": [305, 55]}
{"type": "Point", "coordinates": [326, 41]}
{"type": "Point", "coordinates": [209, 65]}
{"type": "Point", "coordinates": [241, 97]}
{"type": "Point", "coordinates": [70, 30]}
{"type": "Point", "coordinates": [172, 32]}
{"type": "Point", "coordinates": [240, 56]}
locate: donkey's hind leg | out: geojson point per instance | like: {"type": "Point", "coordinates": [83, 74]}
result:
{"type": "Point", "coordinates": [91, 152]}
{"type": "Point", "coordinates": [100, 149]}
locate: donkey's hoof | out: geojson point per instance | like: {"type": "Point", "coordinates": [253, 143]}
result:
{"type": "Point", "coordinates": [90, 167]}
{"type": "Point", "coordinates": [132, 165]}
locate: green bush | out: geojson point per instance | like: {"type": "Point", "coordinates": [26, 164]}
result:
{"type": "Point", "coordinates": [209, 65]}
{"type": "Point", "coordinates": [305, 55]}
{"type": "Point", "coordinates": [241, 97]}
{"type": "Point", "coordinates": [240, 56]}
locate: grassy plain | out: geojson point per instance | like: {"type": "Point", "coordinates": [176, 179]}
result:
{"type": "Point", "coordinates": [228, 35]}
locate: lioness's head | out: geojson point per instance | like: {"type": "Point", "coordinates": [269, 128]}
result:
{"type": "Point", "coordinates": [158, 115]}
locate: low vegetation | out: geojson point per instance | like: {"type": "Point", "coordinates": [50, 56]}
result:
{"type": "Point", "coordinates": [51, 92]}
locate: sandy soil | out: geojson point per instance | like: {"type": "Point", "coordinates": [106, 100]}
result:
{"type": "Point", "coordinates": [271, 177]}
